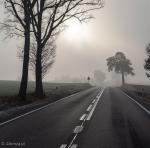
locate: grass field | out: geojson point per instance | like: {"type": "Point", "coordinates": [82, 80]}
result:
{"type": "Point", "coordinates": [53, 92]}
{"type": "Point", "coordinates": [10, 103]}
{"type": "Point", "coordinates": [139, 89]}
{"type": "Point", "coordinates": [9, 88]}
{"type": "Point", "coordinates": [140, 93]}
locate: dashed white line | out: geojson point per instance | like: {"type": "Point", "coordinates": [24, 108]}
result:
{"type": "Point", "coordinates": [74, 146]}
{"type": "Point", "coordinates": [141, 106]}
{"type": "Point", "coordinates": [92, 111]}
{"type": "Point", "coordinates": [78, 129]}
{"type": "Point", "coordinates": [83, 117]}
{"type": "Point", "coordinates": [93, 101]}
{"type": "Point", "coordinates": [89, 108]}
{"type": "Point", "coordinates": [63, 146]}
{"type": "Point", "coordinates": [97, 96]}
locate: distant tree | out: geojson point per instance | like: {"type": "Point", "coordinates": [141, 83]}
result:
{"type": "Point", "coordinates": [120, 64]}
{"type": "Point", "coordinates": [147, 61]}
{"type": "Point", "coordinates": [88, 78]}
{"type": "Point", "coordinates": [99, 77]}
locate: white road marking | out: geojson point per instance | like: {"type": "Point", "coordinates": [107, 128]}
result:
{"type": "Point", "coordinates": [92, 111]}
{"type": "Point", "coordinates": [63, 146]}
{"type": "Point", "coordinates": [78, 129]}
{"type": "Point", "coordinates": [97, 96]}
{"type": "Point", "coordinates": [74, 138]}
{"type": "Point", "coordinates": [83, 117]}
{"type": "Point", "coordinates": [141, 106]}
{"type": "Point", "coordinates": [74, 146]}
{"type": "Point", "coordinates": [89, 108]}
{"type": "Point", "coordinates": [93, 101]}
{"type": "Point", "coordinates": [35, 110]}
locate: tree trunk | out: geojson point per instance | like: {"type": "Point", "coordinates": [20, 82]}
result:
{"type": "Point", "coordinates": [123, 80]}
{"type": "Point", "coordinates": [24, 79]}
{"type": "Point", "coordinates": [39, 85]}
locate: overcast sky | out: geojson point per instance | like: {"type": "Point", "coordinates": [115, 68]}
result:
{"type": "Point", "coordinates": [122, 25]}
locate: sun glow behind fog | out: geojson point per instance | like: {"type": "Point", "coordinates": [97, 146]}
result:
{"type": "Point", "coordinates": [76, 31]}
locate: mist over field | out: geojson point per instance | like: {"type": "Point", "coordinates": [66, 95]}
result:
{"type": "Point", "coordinates": [75, 73]}
{"type": "Point", "coordinates": [119, 26]}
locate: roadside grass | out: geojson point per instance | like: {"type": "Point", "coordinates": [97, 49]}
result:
{"type": "Point", "coordinates": [140, 93]}
{"type": "Point", "coordinates": [53, 92]}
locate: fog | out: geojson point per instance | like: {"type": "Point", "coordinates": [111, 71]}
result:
{"type": "Point", "coordinates": [120, 26]}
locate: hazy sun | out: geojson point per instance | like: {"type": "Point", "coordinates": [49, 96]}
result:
{"type": "Point", "coordinates": [76, 31]}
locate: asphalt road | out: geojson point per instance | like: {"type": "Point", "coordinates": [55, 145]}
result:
{"type": "Point", "coordinates": [91, 119]}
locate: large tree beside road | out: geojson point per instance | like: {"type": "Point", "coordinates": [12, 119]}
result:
{"type": "Point", "coordinates": [120, 64]}
{"type": "Point", "coordinates": [43, 20]}
{"type": "Point", "coordinates": [48, 19]}
{"type": "Point", "coordinates": [18, 23]}
{"type": "Point", "coordinates": [48, 56]}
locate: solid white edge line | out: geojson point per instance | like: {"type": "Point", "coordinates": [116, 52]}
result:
{"type": "Point", "coordinates": [92, 111]}
{"type": "Point", "coordinates": [32, 111]}
{"type": "Point", "coordinates": [141, 106]}
{"type": "Point", "coordinates": [72, 141]}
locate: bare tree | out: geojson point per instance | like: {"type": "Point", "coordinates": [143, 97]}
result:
{"type": "Point", "coordinates": [48, 18]}
{"type": "Point", "coordinates": [18, 23]}
{"type": "Point", "coordinates": [48, 56]}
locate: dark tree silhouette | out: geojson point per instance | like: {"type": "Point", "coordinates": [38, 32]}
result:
{"type": "Point", "coordinates": [18, 23]}
{"type": "Point", "coordinates": [120, 64]}
{"type": "Point", "coordinates": [147, 61]}
{"type": "Point", "coordinates": [48, 18]}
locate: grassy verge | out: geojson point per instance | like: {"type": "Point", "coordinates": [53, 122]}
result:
{"type": "Point", "coordinates": [53, 91]}
{"type": "Point", "coordinates": [136, 92]}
